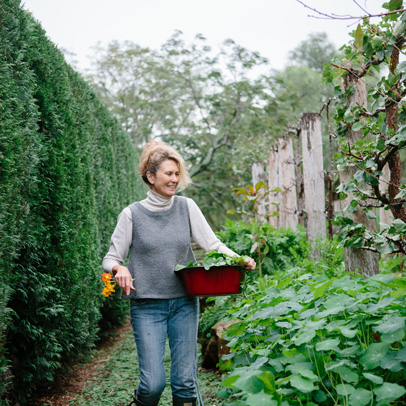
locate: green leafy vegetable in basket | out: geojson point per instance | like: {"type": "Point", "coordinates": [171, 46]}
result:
{"type": "Point", "coordinates": [215, 258]}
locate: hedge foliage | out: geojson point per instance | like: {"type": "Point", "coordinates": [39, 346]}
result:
{"type": "Point", "coordinates": [66, 170]}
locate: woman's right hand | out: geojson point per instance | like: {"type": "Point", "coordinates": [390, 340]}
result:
{"type": "Point", "coordinates": [123, 278]}
{"type": "Point", "coordinates": [251, 265]}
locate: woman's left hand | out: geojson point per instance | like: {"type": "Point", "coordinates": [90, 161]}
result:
{"type": "Point", "coordinates": [251, 265]}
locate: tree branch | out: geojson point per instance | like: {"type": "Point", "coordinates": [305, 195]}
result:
{"type": "Point", "coordinates": [197, 101]}
{"type": "Point", "coordinates": [382, 198]}
{"type": "Point", "coordinates": [401, 250]}
{"type": "Point", "coordinates": [389, 155]}
{"type": "Point", "coordinates": [220, 142]}
{"type": "Point", "coordinates": [327, 16]}
{"type": "Point", "coordinates": [372, 113]}
{"type": "Point", "coordinates": [359, 75]}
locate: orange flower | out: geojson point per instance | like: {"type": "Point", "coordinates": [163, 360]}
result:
{"type": "Point", "coordinates": [109, 285]}
{"type": "Point", "coordinates": [106, 277]}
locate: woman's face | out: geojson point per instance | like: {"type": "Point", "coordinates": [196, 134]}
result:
{"type": "Point", "coordinates": [166, 180]}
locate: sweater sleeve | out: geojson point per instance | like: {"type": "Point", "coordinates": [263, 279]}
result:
{"type": "Point", "coordinates": [120, 241]}
{"type": "Point", "coordinates": [202, 233]}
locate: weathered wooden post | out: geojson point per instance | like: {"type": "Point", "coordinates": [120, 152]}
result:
{"type": "Point", "coordinates": [299, 177]}
{"type": "Point", "coordinates": [313, 176]}
{"type": "Point", "coordinates": [259, 174]}
{"type": "Point", "coordinates": [288, 208]}
{"type": "Point", "coordinates": [356, 258]}
{"type": "Point", "coordinates": [273, 183]}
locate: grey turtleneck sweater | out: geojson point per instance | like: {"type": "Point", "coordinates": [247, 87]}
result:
{"type": "Point", "coordinates": [121, 239]}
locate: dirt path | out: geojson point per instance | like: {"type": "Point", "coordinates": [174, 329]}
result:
{"type": "Point", "coordinates": [68, 386]}
{"type": "Point", "coordinates": [109, 378]}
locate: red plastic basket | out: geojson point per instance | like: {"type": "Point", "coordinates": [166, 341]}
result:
{"type": "Point", "coordinates": [216, 281]}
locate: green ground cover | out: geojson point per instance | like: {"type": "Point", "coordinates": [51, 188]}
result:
{"type": "Point", "coordinates": [313, 340]}
{"type": "Point", "coordinates": [116, 378]}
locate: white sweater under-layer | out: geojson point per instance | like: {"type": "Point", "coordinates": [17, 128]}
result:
{"type": "Point", "coordinates": [120, 241]}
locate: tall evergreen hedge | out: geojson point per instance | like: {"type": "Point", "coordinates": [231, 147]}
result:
{"type": "Point", "coordinates": [66, 170]}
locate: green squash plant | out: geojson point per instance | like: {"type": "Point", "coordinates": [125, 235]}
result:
{"type": "Point", "coordinates": [215, 258]}
{"type": "Point", "coordinates": [312, 340]}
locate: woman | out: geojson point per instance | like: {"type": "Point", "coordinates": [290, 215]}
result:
{"type": "Point", "coordinates": [156, 231]}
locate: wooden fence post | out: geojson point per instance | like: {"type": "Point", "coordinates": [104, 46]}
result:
{"type": "Point", "coordinates": [273, 182]}
{"type": "Point", "coordinates": [258, 174]}
{"type": "Point", "coordinates": [313, 176]}
{"type": "Point", "coordinates": [356, 258]}
{"type": "Point", "coordinates": [299, 177]}
{"type": "Point", "coordinates": [288, 208]}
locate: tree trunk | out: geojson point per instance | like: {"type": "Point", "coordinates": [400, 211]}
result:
{"type": "Point", "coordinates": [356, 258]}
{"type": "Point", "coordinates": [391, 110]}
{"type": "Point", "coordinates": [313, 176]}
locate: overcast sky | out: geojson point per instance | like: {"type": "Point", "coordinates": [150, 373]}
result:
{"type": "Point", "coordinates": [272, 27]}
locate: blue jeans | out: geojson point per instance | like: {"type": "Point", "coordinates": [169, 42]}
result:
{"type": "Point", "coordinates": [152, 321]}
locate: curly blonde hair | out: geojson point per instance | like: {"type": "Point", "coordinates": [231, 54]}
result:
{"type": "Point", "coordinates": [154, 153]}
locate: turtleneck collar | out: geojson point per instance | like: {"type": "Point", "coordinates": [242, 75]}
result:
{"type": "Point", "coordinates": [155, 201]}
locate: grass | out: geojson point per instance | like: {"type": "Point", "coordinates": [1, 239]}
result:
{"type": "Point", "coordinates": [117, 377]}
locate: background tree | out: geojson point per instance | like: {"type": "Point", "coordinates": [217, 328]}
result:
{"type": "Point", "coordinates": [212, 105]}
{"type": "Point", "coordinates": [202, 103]}
{"type": "Point", "coordinates": [295, 90]}
{"type": "Point", "coordinates": [374, 53]}
{"type": "Point", "coordinates": [313, 52]}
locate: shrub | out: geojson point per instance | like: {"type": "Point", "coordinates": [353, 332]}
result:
{"type": "Point", "coordinates": [67, 169]}
{"type": "Point", "coordinates": [318, 340]}
{"type": "Point", "coordinates": [284, 245]}
{"type": "Point", "coordinates": [287, 249]}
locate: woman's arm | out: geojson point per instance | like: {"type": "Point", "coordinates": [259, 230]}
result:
{"type": "Point", "coordinates": [202, 233]}
{"type": "Point", "coordinates": [120, 243]}
{"type": "Point", "coordinates": [204, 236]}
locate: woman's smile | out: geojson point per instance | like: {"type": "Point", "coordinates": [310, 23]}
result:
{"type": "Point", "coordinates": [166, 180]}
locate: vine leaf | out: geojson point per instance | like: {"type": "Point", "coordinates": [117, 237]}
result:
{"type": "Point", "coordinates": [360, 397]}
{"type": "Point", "coordinates": [359, 39]}
{"type": "Point", "coordinates": [389, 391]}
